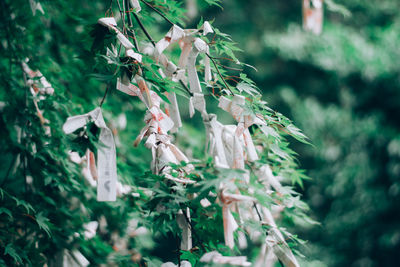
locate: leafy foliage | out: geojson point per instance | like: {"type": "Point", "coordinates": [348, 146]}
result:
{"type": "Point", "coordinates": [45, 201]}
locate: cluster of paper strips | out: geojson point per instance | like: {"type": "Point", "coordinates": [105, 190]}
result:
{"type": "Point", "coordinates": [40, 88]}
{"type": "Point", "coordinates": [313, 13]}
{"type": "Point", "coordinates": [228, 144]}
{"type": "Point", "coordinates": [231, 146]}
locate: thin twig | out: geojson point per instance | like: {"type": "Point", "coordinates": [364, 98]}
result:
{"type": "Point", "coordinates": [159, 12]}
{"type": "Point", "coordinates": [127, 10]}
{"type": "Point", "coordinates": [105, 94]}
{"type": "Point", "coordinates": [120, 9]}
{"type": "Point", "coordinates": [224, 58]}
{"type": "Point", "coordinates": [135, 42]}
{"type": "Point", "coordinates": [258, 212]}
{"type": "Point", "coordinates": [110, 5]}
{"type": "Point", "coordinates": [185, 87]}
{"type": "Point", "coordinates": [143, 29]}
{"type": "Point", "coordinates": [130, 24]}
{"type": "Point", "coordinates": [123, 18]}
{"type": "Point", "coordinates": [219, 73]}
{"type": "Point", "coordinates": [229, 68]}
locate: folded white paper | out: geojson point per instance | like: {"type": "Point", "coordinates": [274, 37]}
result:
{"type": "Point", "coordinates": [106, 153]}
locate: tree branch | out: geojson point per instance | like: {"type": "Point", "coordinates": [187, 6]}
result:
{"type": "Point", "coordinates": [219, 73]}
{"type": "Point", "coordinates": [159, 12]}
{"type": "Point", "coordinates": [144, 29]}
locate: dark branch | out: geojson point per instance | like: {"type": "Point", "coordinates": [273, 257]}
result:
{"type": "Point", "coordinates": [219, 73]}
{"type": "Point", "coordinates": [130, 24]}
{"type": "Point", "coordinates": [258, 213]}
{"type": "Point", "coordinates": [159, 12]}
{"type": "Point", "coordinates": [185, 87]}
{"type": "Point", "coordinates": [105, 94]}
{"type": "Point", "coordinates": [143, 29]}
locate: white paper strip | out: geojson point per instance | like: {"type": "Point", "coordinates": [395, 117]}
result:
{"type": "Point", "coordinates": [186, 237]}
{"type": "Point", "coordinates": [173, 35]}
{"type": "Point", "coordinates": [277, 243]}
{"type": "Point", "coordinates": [207, 28]}
{"type": "Point", "coordinates": [230, 224]}
{"type": "Point", "coordinates": [313, 16]}
{"type": "Point", "coordinates": [132, 54]}
{"type": "Point", "coordinates": [135, 5]}
{"type": "Point", "coordinates": [106, 154]}
{"type": "Point", "coordinates": [111, 24]}
{"type": "Point", "coordinates": [217, 258]}
{"type": "Point", "coordinates": [90, 229]}
{"type": "Point", "coordinates": [264, 173]}
{"type": "Point", "coordinates": [217, 149]}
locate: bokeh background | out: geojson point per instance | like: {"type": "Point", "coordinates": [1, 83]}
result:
{"type": "Point", "coordinates": [342, 89]}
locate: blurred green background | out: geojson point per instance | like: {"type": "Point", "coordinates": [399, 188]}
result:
{"type": "Point", "coordinates": [342, 89]}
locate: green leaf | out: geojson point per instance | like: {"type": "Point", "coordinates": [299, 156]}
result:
{"type": "Point", "coordinates": [102, 77]}
{"type": "Point", "coordinates": [278, 151]}
{"type": "Point", "coordinates": [269, 131]}
{"type": "Point", "coordinates": [6, 211]}
{"type": "Point", "coordinates": [297, 134]}
{"type": "Point", "coordinates": [9, 250]}
{"type": "Point", "coordinates": [28, 207]}
{"type": "Point", "coordinates": [248, 88]}
{"type": "Point", "coordinates": [214, 3]}
{"type": "Point", "coordinates": [44, 223]}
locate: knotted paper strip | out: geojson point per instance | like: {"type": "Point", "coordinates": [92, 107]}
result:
{"type": "Point", "coordinates": [185, 39]}
{"type": "Point", "coordinates": [39, 88]}
{"type": "Point", "coordinates": [156, 130]}
{"type": "Point", "coordinates": [158, 141]}
{"type": "Point", "coordinates": [199, 46]}
{"type": "Point", "coordinates": [276, 241]}
{"type": "Point", "coordinates": [36, 6]}
{"type": "Point", "coordinates": [106, 154]}
{"type": "Point", "coordinates": [130, 53]}
{"type": "Point", "coordinates": [44, 86]}
{"type": "Point", "coordinates": [313, 16]}
{"type": "Point", "coordinates": [135, 5]}
{"type": "Point", "coordinates": [265, 175]}
{"type": "Point", "coordinates": [214, 144]}
{"type": "Point", "coordinates": [177, 34]}
{"type": "Point", "coordinates": [73, 258]}
{"type": "Point", "coordinates": [230, 225]}
{"type": "Point", "coordinates": [172, 109]}
{"type": "Point", "coordinates": [236, 108]}
{"type": "Point", "coordinates": [90, 229]}
{"type": "Point", "coordinates": [266, 258]}
{"type": "Point", "coordinates": [111, 24]}
{"type": "Point", "coordinates": [173, 35]}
